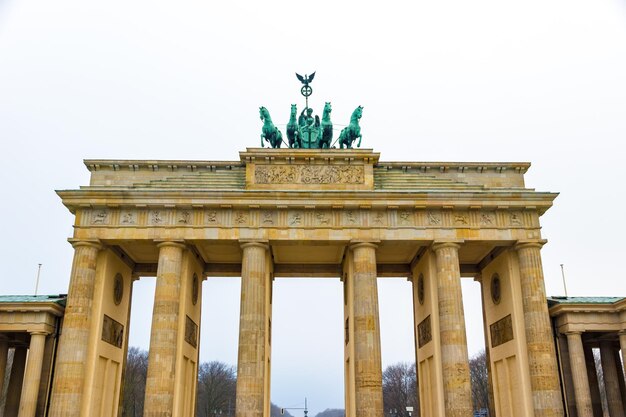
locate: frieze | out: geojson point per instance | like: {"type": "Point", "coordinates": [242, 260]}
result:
{"type": "Point", "coordinates": [309, 174]}
{"type": "Point", "coordinates": [311, 217]}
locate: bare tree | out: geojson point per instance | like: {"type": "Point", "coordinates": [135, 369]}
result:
{"type": "Point", "coordinates": [217, 383]}
{"type": "Point", "coordinates": [135, 382]}
{"type": "Point", "coordinates": [479, 379]}
{"type": "Point", "coordinates": [400, 389]}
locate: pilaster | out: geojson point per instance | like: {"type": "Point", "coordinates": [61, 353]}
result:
{"type": "Point", "coordinates": [71, 362]}
{"type": "Point", "coordinates": [367, 355]}
{"type": "Point", "coordinates": [455, 363]}
{"type": "Point", "coordinates": [160, 381]}
{"type": "Point", "coordinates": [579, 374]}
{"type": "Point", "coordinates": [32, 376]}
{"type": "Point", "coordinates": [544, 376]}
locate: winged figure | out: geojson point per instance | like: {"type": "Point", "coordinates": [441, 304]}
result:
{"type": "Point", "coordinates": [307, 79]}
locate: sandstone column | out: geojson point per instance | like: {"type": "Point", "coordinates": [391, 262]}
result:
{"type": "Point", "coordinates": [160, 381]}
{"type": "Point", "coordinates": [611, 384]}
{"type": "Point", "coordinates": [4, 352]}
{"type": "Point", "coordinates": [32, 376]}
{"type": "Point", "coordinates": [579, 374]}
{"type": "Point", "coordinates": [67, 389]}
{"type": "Point", "coordinates": [455, 363]}
{"type": "Point", "coordinates": [544, 375]}
{"type": "Point", "coordinates": [14, 391]}
{"type": "Point", "coordinates": [367, 357]}
{"type": "Point", "coordinates": [252, 327]}
{"type": "Point", "coordinates": [594, 386]}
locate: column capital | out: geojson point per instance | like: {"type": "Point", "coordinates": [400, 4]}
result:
{"type": "Point", "coordinates": [621, 332]}
{"type": "Point", "coordinates": [355, 244]}
{"type": "Point", "coordinates": [39, 332]}
{"type": "Point", "coordinates": [250, 243]}
{"type": "Point", "coordinates": [171, 243]}
{"type": "Point", "coordinates": [441, 244]}
{"type": "Point", "coordinates": [525, 244]}
{"type": "Point", "coordinates": [93, 243]}
{"type": "Point", "coordinates": [573, 332]}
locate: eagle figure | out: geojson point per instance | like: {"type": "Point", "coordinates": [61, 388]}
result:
{"type": "Point", "coordinates": [306, 80]}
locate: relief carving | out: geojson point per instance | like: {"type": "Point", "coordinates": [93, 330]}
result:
{"type": "Point", "coordinates": [309, 174]}
{"type": "Point", "coordinates": [268, 217]}
{"type": "Point", "coordinates": [112, 331]}
{"type": "Point", "coordinates": [100, 217]}
{"type": "Point", "coordinates": [461, 219]}
{"type": "Point", "coordinates": [156, 217]}
{"type": "Point", "coordinates": [405, 217]}
{"type": "Point", "coordinates": [191, 332]}
{"type": "Point", "coordinates": [424, 333]}
{"type": "Point", "coordinates": [211, 217]}
{"type": "Point", "coordinates": [322, 218]}
{"type": "Point", "coordinates": [501, 331]}
{"type": "Point", "coordinates": [516, 219]}
{"type": "Point", "coordinates": [295, 219]}
{"type": "Point", "coordinates": [350, 217]}
{"type": "Point", "coordinates": [184, 217]}
{"type": "Point", "coordinates": [434, 218]}
{"type": "Point", "coordinates": [241, 218]}
{"type": "Point", "coordinates": [487, 219]}
{"type": "Point", "coordinates": [379, 218]}
{"type": "Point", "coordinates": [129, 217]}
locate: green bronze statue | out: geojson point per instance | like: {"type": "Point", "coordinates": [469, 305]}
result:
{"type": "Point", "coordinates": [309, 128]}
{"type": "Point", "coordinates": [353, 131]}
{"type": "Point", "coordinates": [293, 131]}
{"type": "Point", "coordinates": [269, 132]}
{"type": "Point", "coordinates": [326, 127]}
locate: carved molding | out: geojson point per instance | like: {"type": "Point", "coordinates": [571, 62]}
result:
{"type": "Point", "coordinates": [309, 174]}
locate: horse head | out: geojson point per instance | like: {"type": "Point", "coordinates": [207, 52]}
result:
{"type": "Point", "coordinates": [262, 112]}
{"type": "Point", "coordinates": [358, 112]}
{"type": "Point", "coordinates": [294, 110]}
{"type": "Point", "coordinates": [327, 108]}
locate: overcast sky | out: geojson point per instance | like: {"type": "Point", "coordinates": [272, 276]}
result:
{"type": "Point", "coordinates": [538, 81]}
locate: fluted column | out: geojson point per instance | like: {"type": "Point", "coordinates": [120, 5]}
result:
{"type": "Point", "coordinates": [252, 327]}
{"type": "Point", "coordinates": [622, 343]}
{"type": "Point", "coordinates": [611, 384]}
{"type": "Point", "coordinates": [32, 376]}
{"type": "Point", "coordinates": [367, 356]}
{"type": "Point", "coordinates": [67, 389]}
{"type": "Point", "coordinates": [455, 363]}
{"type": "Point", "coordinates": [4, 352]}
{"type": "Point", "coordinates": [14, 391]}
{"type": "Point", "coordinates": [579, 374]}
{"type": "Point", "coordinates": [544, 375]}
{"type": "Point", "coordinates": [594, 386]}
{"type": "Point", "coordinates": [160, 380]}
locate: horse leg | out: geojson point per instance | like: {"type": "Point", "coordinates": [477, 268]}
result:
{"type": "Point", "coordinates": [262, 144]}
{"type": "Point", "coordinates": [359, 144]}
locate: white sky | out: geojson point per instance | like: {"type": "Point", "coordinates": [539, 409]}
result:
{"type": "Point", "coordinates": [539, 81]}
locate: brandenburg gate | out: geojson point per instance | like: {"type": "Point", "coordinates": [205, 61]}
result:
{"type": "Point", "coordinates": [307, 213]}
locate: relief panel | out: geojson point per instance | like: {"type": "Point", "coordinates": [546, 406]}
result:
{"type": "Point", "coordinates": [309, 174]}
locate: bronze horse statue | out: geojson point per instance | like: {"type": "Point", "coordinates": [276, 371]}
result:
{"type": "Point", "coordinates": [269, 132]}
{"type": "Point", "coordinates": [326, 127]}
{"type": "Point", "coordinates": [293, 131]}
{"type": "Point", "coordinates": [353, 131]}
